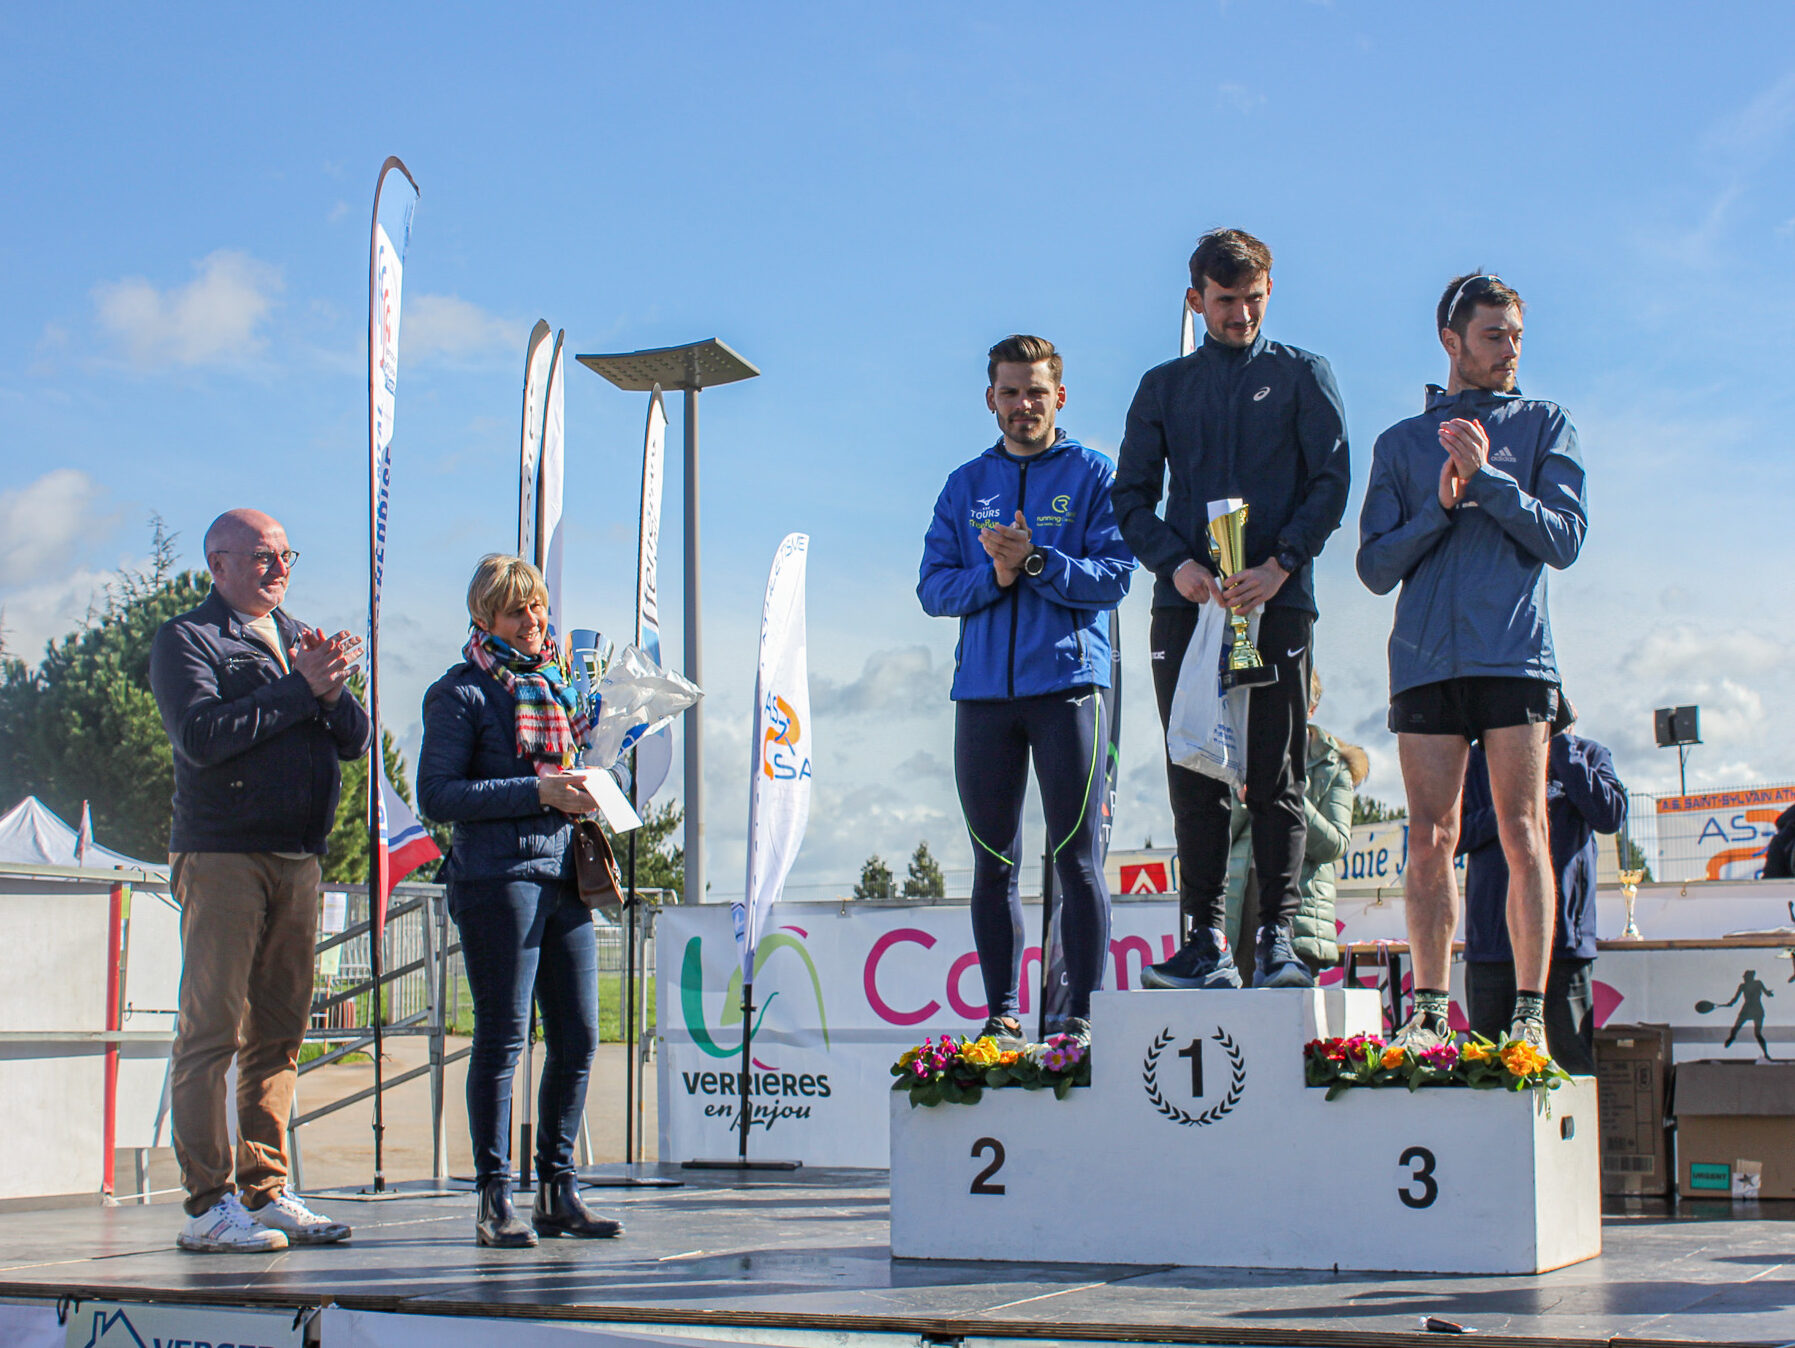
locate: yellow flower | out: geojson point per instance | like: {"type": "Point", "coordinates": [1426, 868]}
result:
{"type": "Point", "coordinates": [981, 1052]}
{"type": "Point", "coordinates": [909, 1057]}
{"type": "Point", "coordinates": [1393, 1056]}
{"type": "Point", "coordinates": [1008, 1058]}
{"type": "Point", "coordinates": [1474, 1052]}
{"type": "Point", "coordinates": [1522, 1058]}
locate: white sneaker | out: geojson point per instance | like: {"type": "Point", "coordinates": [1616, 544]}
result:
{"type": "Point", "coordinates": [225, 1228]}
{"type": "Point", "coordinates": [286, 1212]}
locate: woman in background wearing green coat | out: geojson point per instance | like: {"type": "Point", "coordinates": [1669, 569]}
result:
{"type": "Point", "coordinates": [1335, 770]}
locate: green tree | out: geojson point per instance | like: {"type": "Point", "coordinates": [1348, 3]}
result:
{"type": "Point", "coordinates": [346, 850]}
{"type": "Point", "coordinates": [924, 880]}
{"type": "Point", "coordinates": [84, 725]}
{"type": "Point", "coordinates": [875, 880]}
{"type": "Point", "coordinates": [660, 862]}
{"type": "Point", "coordinates": [1633, 858]}
{"type": "Point", "coordinates": [1370, 810]}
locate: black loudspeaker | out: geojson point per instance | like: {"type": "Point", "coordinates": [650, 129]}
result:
{"type": "Point", "coordinates": [1677, 725]}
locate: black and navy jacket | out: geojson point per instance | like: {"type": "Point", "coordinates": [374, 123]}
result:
{"type": "Point", "coordinates": [255, 753]}
{"type": "Point", "coordinates": [1044, 633]}
{"type": "Point", "coordinates": [471, 775]}
{"type": "Point", "coordinates": [1263, 423]}
{"type": "Point", "coordinates": [1584, 797]}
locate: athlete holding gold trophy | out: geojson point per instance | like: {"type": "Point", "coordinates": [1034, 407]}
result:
{"type": "Point", "coordinates": [1258, 427]}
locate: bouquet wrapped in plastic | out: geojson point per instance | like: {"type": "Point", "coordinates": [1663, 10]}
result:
{"type": "Point", "coordinates": [633, 697]}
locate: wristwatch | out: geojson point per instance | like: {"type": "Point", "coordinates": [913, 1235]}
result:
{"type": "Point", "coordinates": [1288, 559]}
{"type": "Point", "coordinates": [1034, 564]}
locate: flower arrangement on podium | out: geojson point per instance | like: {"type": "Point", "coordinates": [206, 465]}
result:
{"type": "Point", "coordinates": [957, 1071]}
{"type": "Point", "coordinates": [1481, 1064]}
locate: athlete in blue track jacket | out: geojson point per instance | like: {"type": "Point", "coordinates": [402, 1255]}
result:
{"type": "Point", "coordinates": [1467, 505]}
{"type": "Point", "coordinates": [1047, 632]}
{"type": "Point", "coordinates": [1024, 551]}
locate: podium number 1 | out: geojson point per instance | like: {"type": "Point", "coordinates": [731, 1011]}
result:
{"type": "Point", "coordinates": [1423, 1175]}
{"type": "Point", "coordinates": [981, 1182]}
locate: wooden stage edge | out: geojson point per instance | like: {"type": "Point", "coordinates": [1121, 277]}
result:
{"type": "Point", "coordinates": [931, 1330]}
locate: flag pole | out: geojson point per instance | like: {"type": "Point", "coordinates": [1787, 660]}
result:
{"type": "Point", "coordinates": [378, 353]}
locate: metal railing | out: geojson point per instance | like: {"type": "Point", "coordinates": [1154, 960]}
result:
{"type": "Point", "coordinates": [423, 994]}
{"type": "Point", "coordinates": [1712, 833]}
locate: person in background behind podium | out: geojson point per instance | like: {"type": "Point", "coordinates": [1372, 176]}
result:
{"type": "Point", "coordinates": [257, 709]}
{"type": "Point", "coordinates": [1584, 797]}
{"type": "Point", "coordinates": [1335, 771]}
{"type": "Point", "coordinates": [497, 729]}
{"type": "Point", "coordinates": [1779, 852]}
{"type": "Point", "coordinates": [1241, 416]}
{"type": "Point", "coordinates": [1023, 550]}
{"type": "Point", "coordinates": [1467, 506]}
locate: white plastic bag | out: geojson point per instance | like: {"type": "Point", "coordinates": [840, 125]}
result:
{"type": "Point", "coordinates": [1207, 732]}
{"type": "Point", "coordinates": [635, 698]}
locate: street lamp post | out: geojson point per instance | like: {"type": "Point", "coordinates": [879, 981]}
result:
{"type": "Point", "coordinates": [690, 368]}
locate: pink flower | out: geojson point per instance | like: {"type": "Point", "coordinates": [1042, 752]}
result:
{"type": "Point", "coordinates": [1441, 1056]}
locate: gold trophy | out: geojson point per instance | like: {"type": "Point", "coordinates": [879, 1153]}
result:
{"type": "Point", "coordinates": [1241, 665]}
{"type": "Point", "coordinates": [1629, 889]}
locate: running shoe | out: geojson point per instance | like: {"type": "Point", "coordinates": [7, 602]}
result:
{"type": "Point", "coordinates": [1006, 1030]}
{"type": "Point", "coordinates": [1204, 962]}
{"type": "Point", "coordinates": [1277, 965]}
{"type": "Point", "coordinates": [225, 1228]}
{"type": "Point", "coordinates": [286, 1212]}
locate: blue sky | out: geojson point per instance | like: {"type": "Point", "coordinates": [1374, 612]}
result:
{"type": "Point", "coordinates": [861, 200]}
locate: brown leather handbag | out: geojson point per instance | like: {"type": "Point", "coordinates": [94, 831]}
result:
{"type": "Point", "coordinates": [595, 866]}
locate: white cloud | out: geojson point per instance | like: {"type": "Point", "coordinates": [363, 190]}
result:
{"type": "Point", "coordinates": [903, 680]}
{"type": "Point", "coordinates": [1238, 97]}
{"type": "Point", "coordinates": [455, 331]}
{"type": "Point", "coordinates": [44, 523]}
{"type": "Point", "coordinates": [214, 319]}
{"type": "Point", "coordinates": [41, 613]}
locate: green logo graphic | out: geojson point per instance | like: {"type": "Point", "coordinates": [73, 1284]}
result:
{"type": "Point", "coordinates": [691, 992]}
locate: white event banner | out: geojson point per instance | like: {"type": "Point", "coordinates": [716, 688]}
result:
{"type": "Point", "coordinates": [109, 1324]}
{"type": "Point", "coordinates": [779, 773]}
{"type": "Point", "coordinates": [538, 353]}
{"type": "Point", "coordinates": [844, 987]}
{"type": "Point", "coordinates": [1718, 835]}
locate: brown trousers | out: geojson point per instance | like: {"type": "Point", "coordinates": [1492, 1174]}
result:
{"type": "Point", "coordinates": [249, 922]}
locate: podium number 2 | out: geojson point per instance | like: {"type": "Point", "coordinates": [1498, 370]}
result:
{"type": "Point", "coordinates": [981, 1182]}
{"type": "Point", "coordinates": [1423, 1176]}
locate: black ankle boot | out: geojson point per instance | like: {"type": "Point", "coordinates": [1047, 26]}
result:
{"type": "Point", "coordinates": [559, 1211]}
{"type": "Point", "coordinates": [498, 1224]}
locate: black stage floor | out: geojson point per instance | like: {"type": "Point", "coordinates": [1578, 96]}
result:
{"type": "Point", "coordinates": [771, 1254]}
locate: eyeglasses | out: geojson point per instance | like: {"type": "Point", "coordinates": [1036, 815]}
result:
{"type": "Point", "coordinates": [263, 558]}
{"type": "Point", "coordinates": [1459, 294]}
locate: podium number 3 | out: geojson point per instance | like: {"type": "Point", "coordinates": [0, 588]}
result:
{"type": "Point", "coordinates": [1422, 1188]}
{"type": "Point", "coordinates": [981, 1182]}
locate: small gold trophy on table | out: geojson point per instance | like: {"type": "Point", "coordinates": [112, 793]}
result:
{"type": "Point", "coordinates": [1629, 889]}
{"type": "Point", "coordinates": [1241, 665]}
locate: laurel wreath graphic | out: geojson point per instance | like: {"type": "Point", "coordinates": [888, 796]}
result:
{"type": "Point", "coordinates": [1237, 1083]}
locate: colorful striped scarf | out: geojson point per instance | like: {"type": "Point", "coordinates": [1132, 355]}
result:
{"type": "Point", "coordinates": [550, 723]}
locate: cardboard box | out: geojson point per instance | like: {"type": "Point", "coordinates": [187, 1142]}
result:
{"type": "Point", "coordinates": [1632, 1064]}
{"type": "Point", "coordinates": [1735, 1125]}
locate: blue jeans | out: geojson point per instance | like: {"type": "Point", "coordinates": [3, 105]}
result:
{"type": "Point", "coordinates": [520, 937]}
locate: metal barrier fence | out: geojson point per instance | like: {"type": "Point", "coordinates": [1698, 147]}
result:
{"type": "Point", "coordinates": [1716, 833]}
{"type": "Point", "coordinates": [423, 993]}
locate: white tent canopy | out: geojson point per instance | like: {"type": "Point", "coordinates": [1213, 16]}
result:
{"type": "Point", "coordinates": [30, 835]}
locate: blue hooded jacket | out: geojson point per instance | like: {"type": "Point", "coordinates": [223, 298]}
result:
{"type": "Point", "coordinates": [1473, 579]}
{"type": "Point", "coordinates": [1044, 633]}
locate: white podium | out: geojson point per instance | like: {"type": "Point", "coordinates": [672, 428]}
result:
{"type": "Point", "coordinates": [1198, 1144]}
